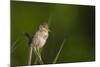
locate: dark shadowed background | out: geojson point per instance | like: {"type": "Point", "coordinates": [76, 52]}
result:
{"type": "Point", "coordinates": [74, 23]}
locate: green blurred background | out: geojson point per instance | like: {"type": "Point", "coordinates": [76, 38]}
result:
{"type": "Point", "coordinates": [75, 23]}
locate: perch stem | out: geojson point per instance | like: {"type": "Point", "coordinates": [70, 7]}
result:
{"type": "Point", "coordinates": [30, 56]}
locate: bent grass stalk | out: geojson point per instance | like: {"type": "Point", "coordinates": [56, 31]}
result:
{"type": "Point", "coordinates": [13, 46]}
{"type": "Point", "coordinates": [56, 58]}
{"type": "Point", "coordinates": [36, 60]}
{"type": "Point", "coordinates": [37, 54]}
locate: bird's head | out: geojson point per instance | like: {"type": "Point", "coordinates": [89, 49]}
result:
{"type": "Point", "coordinates": [44, 27]}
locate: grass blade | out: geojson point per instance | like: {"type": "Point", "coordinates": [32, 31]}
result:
{"type": "Point", "coordinates": [13, 46]}
{"type": "Point", "coordinates": [56, 58]}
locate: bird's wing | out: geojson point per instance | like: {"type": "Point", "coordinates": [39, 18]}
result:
{"type": "Point", "coordinates": [27, 35]}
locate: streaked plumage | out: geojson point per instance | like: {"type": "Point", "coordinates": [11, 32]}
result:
{"type": "Point", "coordinates": [40, 37]}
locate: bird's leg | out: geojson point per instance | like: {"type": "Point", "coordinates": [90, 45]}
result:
{"type": "Point", "coordinates": [38, 56]}
{"type": "Point", "coordinates": [38, 50]}
{"type": "Point", "coordinates": [36, 60]}
{"type": "Point", "coordinates": [39, 53]}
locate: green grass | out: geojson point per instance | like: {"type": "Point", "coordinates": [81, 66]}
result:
{"type": "Point", "coordinates": [72, 36]}
{"type": "Point", "coordinates": [57, 56]}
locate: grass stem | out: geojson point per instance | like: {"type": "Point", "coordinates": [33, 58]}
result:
{"type": "Point", "coordinates": [30, 56]}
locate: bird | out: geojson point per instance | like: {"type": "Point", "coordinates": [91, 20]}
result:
{"type": "Point", "coordinates": [37, 41]}
{"type": "Point", "coordinates": [40, 37]}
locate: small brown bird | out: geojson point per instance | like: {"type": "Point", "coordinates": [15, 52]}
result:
{"type": "Point", "coordinates": [40, 37]}
{"type": "Point", "coordinates": [37, 41]}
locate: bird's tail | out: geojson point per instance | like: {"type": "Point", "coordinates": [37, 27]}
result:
{"type": "Point", "coordinates": [29, 38]}
{"type": "Point", "coordinates": [27, 35]}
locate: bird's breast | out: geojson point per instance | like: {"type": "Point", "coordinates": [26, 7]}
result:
{"type": "Point", "coordinates": [40, 39]}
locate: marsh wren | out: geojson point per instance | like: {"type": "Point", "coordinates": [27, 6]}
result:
{"type": "Point", "coordinates": [37, 41]}
{"type": "Point", "coordinates": [40, 37]}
